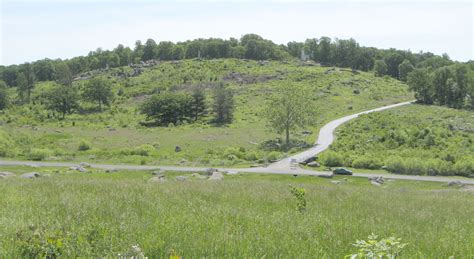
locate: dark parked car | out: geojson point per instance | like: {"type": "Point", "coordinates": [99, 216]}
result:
{"type": "Point", "coordinates": [342, 171]}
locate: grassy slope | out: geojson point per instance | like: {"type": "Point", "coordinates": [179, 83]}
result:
{"type": "Point", "coordinates": [243, 216]}
{"type": "Point", "coordinates": [426, 135]}
{"type": "Point", "coordinates": [117, 129]}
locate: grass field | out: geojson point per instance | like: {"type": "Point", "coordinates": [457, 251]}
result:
{"type": "Point", "coordinates": [103, 214]}
{"type": "Point", "coordinates": [415, 139]}
{"type": "Point", "coordinates": [115, 135]}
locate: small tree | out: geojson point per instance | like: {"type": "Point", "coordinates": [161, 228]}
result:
{"type": "Point", "coordinates": [62, 99]}
{"type": "Point", "coordinates": [380, 68]}
{"type": "Point", "coordinates": [98, 90]}
{"type": "Point", "coordinates": [63, 74]}
{"type": "Point", "coordinates": [291, 107]}
{"type": "Point", "coordinates": [26, 82]}
{"type": "Point", "coordinates": [403, 69]}
{"type": "Point", "coordinates": [4, 99]}
{"type": "Point", "coordinates": [223, 106]}
{"type": "Point", "coordinates": [420, 82]}
{"type": "Point", "coordinates": [198, 106]}
{"type": "Point", "coordinates": [167, 107]}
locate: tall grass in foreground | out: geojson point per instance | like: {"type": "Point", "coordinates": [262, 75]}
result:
{"type": "Point", "coordinates": [242, 216]}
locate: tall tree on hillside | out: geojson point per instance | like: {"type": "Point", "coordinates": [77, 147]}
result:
{"type": "Point", "coordinates": [138, 52]}
{"type": "Point", "coordinates": [4, 98]}
{"type": "Point", "coordinates": [198, 106]}
{"type": "Point", "coordinates": [63, 74]}
{"type": "Point", "coordinates": [380, 68]}
{"type": "Point", "coordinates": [440, 80]}
{"type": "Point", "coordinates": [420, 82]}
{"type": "Point", "coordinates": [403, 69]}
{"type": "Point", "coordinates": [62, 99]}
{"type": "Point", "coordinates": [26, 82]}
{"type": "Point", "coordinates": [324, 51]}
{"type": "Point", "coordinates": [150, 50]}
{"type": "Point", "coordinates": [291, 107]}
{"type": "Point", "coordinates": [98, 90]}
{"type": "Point", "coordinates": [223, 105]}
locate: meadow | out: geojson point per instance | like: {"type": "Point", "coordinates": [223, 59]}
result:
{"type": "Point", "coordinates": [116, 134]}
{"type": "Point", "coordinates": [415, 139]}
{"type": "Point", "coordinates": [100, 214]}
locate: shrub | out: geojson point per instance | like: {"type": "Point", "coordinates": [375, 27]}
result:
{"type": "Point", "coordinates": [84, 145]}
{"type": "Point", "coordinates": [39, 154]}
{"type": "Point", "coordinates": [274, 155]}
{"type": "Point", "coordinates": [299, 193]}
{"type": "Point", "coordinates": [384, 248]}
{"type": "Point", "coordinates": [251, 156]}
{"type": "Point", "coordinates": [5, 144]}
{"type": "Point", "coordinates": [464, 167]}
{"type": "Point", "coordinates": [143, 150]}
{"type": "Point", "coordinates": [232, 153]}
{"type": "Point", "coordinates": [40, 243]}
{"type": "Point", "coordinates": [367, 163]}
{"type": "Point", "coordinates": [331, 158]}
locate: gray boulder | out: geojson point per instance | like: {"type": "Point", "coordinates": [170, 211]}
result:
{"type": "Point", "coordinates": [377, 179]}
{"type": "Point", "coordinates": [335, 182]}
{"type": "Point", "coordinates": [32, 175]}
{"type": "Point", "coordinates": [313, 164]}
{"type": "Point", "coordinates": [181, 178]}
{"type": "Point", "coordinates": [157, 179]}
{"type": "Point", "coordinates": [329, 176]}
{"type": "Point", "coordinates": [455, 183]}
{"type": "Point", "coordinates": [6, 174]}
{"type": "Point", "coordinates": [85, 165]}
{"type": "Point", "coordinates": [216, 176]}
{"type": "Point", "coordinates": [78, 168]}
{"type": "Point", "coordinates": [177, 149]}
{"type": "Point", "coordinates": [210, 171]}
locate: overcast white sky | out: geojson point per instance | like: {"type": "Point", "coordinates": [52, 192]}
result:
{"type": "Point", "coordinates": [35, 29]}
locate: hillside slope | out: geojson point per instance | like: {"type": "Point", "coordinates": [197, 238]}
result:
{"type": "Point", "coordinates": [117, 135]}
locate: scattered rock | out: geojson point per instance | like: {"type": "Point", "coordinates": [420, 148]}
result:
{"type": "Point", "coordinates": [216, 176]}
{"type": "Point", "coordinates": [455, 183]}
{"type": "Point", "coordinates": [376, 183]}
{"type": "Point", "coordinates": [177, 149]}
{"type": "Point", "coordinates": [157, 173]}
{"type": "Point", "coordinates": [78, 168]}
{"type": "Point", "coordinates": [335, 182]}
{"type": "Point", "coordinates": [32, 175]}
{"type": "Point", "coordinates": [157, 179]}
{"type": "Point", "coordinates": [111, 171]}
{"type": "Point", "coordinates": [210, 171]}
{"type": "Point", "coordinates": [84, 164]}
{"type": "Point", "coordinates": [6, 174]}
{"type": "Point", "coordinates": [378, 180]}
{"type": "Point", "coordinates": [329, 176]}
{"type": "Point", "coordinates": [181, 178]}
{"type": "Point", "coordinates": [232, 172]}
{"type": "Point", "coordinates": [199, 176]}
{"type": "Point", "coordinates": [313, 164]}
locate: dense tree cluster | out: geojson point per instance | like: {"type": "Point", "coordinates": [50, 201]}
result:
{"type": "Point", "coordinates": [177, 107]}
{"type": "Point", "coordinates": [452, 86]}
{"type": "Point", "coordinates": [338, 52]}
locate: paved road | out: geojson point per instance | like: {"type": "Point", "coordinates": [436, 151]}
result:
{"type": "Point", "coordinates": [325, 138]}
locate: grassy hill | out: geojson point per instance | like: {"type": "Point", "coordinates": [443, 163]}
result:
{"type": "Point", "coordinates": [415, 139]}
{"type": "Point", "coordinates": [116, 134]}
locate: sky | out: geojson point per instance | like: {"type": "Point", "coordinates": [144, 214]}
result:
{"type": "Point", "coordinates": [37, 29]}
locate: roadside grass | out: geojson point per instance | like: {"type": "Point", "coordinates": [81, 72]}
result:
{"type": "Point", "coordinates": [116, 132]}
{"type": "Point", "coordinates": [414, 139]}
{"type": "Point", "coordinates": [247, 215]}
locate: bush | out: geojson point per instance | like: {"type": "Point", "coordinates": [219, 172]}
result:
{"type": "Point", "coordinates": [232, 153]}
{"type": "Point", "coordinates": [5, 144]}
{"type": "Point", "coordinates": [331, 158]}
{"type": "Point", "coordinates": [251, 156]}
{"type": "Point", "coordinates": [395, 165]}
{"type": "Point", "coordinates": [84, 145]}
{"type": "Point", "coordinates": [367, 163]}
{"type": "Point", "coordinates": [39, 154]}
{"type": "Point", "coordinates": [273, 156]}
{"type": "Point", "coordinates": [464, 167]}
{"type": "Point", "coordinates": [143, 150]}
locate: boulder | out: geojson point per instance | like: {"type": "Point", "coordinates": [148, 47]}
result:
{"type": "Point", "coordinates": [313, 164]}
{"type": "Point", "coordinates": [455, 183]}
{"type": "Point", "coordinates": [329, 176]}
{"type": "Point", "coordinates": [335, 182]}
{"type": "Point", "coordinates": [32, 175]}
{"type": "Point", "coordinates": [78, 168]}
{"type": "Point", "coordinates": [199, 176]}
{"type": "Point", "coordinates": [232, 172]}
{"type": "Point", "coordinates": [216, 176]}
{"type": "Point", "coordinates": [157, 179]}
{"type": "Point", "coordinates": [376, 183]}
{"type": "Point", "coordinates": [177, 149]}
{"type": "Point", "coordinates": [309, 160]}
{"type": "Point", "coordinates": [157, 173]}
{"type": "Point", "coordinates": [377, 179]}
{"type": "Point", "coordinates": [84, 164]}
{"type": "Point", "coordinates": [111, 171]}
{"type": "Point", "coordinates": [210, 171]}
{"type": "Point", "coordinates": [6, 174]}
{"type": "Point", "coordinates": [181, 178]}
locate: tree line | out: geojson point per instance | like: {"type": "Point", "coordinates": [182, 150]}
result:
{"type": "Point", "coordinates": [326, 51]}
{"type": "Point", "coordinates": [452, 86]}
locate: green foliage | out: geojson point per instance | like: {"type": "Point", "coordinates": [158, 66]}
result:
{"type": "Point", "coordinates": [63, 74]}
{"type": "Point", "coordinates": [417, 139]}
{"type": "Point", "coordinates": [84, 145]}
{"type": "Point", "coordinates": [168, 107]}
{"type": "Point", "coordinates": [389, 248]}
{"type": "Point", "coordinates": [300, 195]}
{"type": "Point", "coordinates": [62, 99]}
{"type": "Point", "coordinates": [98, 90]}
{"type": "Point", "coordinates": [39, 154]}
{"type": "Point", "coordinates": [198, 105]}
{"type": "Point", "coordinates": [37, 242]}
{"type": "Point", "coordinates": [404, 69]}
{"type": "Point", "coordinates": [223, 104]}
{"type": "Point", "coordinates": [143, 150]}
{"type": "Point", "coordinates": [290, 108]}
{"type": "Point", "coordinates": [380, 68]}
{"type": "Point", "coordinates": [331, 158]}
{"type": "Point", "coordinates": [4, 98]}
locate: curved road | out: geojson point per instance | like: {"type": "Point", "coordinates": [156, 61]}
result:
{"type": "Point", "coordinates": [284, 166]}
